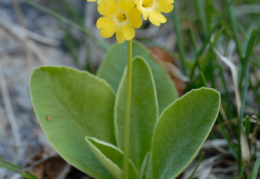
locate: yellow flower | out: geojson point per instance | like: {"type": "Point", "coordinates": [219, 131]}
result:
{"type": "Point", "coordinates": [120, 17]}
{"type": "Point", "coordinates": [152, 9]}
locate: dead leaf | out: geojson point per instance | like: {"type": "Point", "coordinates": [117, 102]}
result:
{"type": "Point", "coordinates": [168, 63]}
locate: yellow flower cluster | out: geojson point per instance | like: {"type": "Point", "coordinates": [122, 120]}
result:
{"type": "Point", "coordinates": [122, 16]}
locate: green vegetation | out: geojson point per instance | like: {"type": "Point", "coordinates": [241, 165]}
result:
{"type": "Point", "coordinates": [217, 45]}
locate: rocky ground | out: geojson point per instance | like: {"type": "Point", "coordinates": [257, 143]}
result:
{"type": "Point", "coordinates": [22, 142]}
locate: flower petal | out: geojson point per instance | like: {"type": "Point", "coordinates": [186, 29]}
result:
{"type": "Point", "coordinates": [119, 35]}
{"type": "Point", "coordinates": [164, 6]}
{"type": "Point", "coordinates": [128, 31]}
{"type": "Point", "coordinates": [157, 18]}
{"type": "Point", "coordinates": [126, 5]}
{"type": "Point", "coordinates": [152, 9]}
{"type": "Point", "coordinates": [145, 15]}
{"type": "Point", "coordinates": [107, 7]}
{"type": "Point", "coordinates": [107, 26]}
{"type": "Point", "coordinates": [135, 18]}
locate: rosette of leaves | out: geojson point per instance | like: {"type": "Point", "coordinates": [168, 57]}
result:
{"type": "Point", "coordinates": [83, 117]}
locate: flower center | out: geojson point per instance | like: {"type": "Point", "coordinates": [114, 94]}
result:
{"type": "Point", "coordinates": [121, 17]}
{"type": "Point", "coordinates": [147, 3]}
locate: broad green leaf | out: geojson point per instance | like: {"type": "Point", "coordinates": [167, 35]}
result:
{"type": "Point", "coordinates": [69, 106]}
{"type": "Point", "coordinates": [111, 157]}
{"type": "Point", "coordinates": [113, 66]}
{"type": "Point", "coordinates": [181, 131]}
{"type": "Point", "coordinates": [143, 111]}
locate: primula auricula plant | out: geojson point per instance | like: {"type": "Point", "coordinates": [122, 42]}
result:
{"type": "Point", "coordinates": [126, 122]}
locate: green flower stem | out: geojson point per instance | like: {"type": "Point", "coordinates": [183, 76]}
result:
{"type": "Point", "coordinates": [127, 109]}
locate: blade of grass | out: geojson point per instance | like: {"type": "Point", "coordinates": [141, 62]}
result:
{"type": "Point", "coordinates": [202, 16]}
{"type": "Point", "coordinates": [233, 70]}
{"type": "Point", "coordinates": [72, 12]}
{"type": "Point", "coordinates": [234, 29]}
{"type": "Point", "coordinates": [180, 44]}
{"type": "Point", "coordinates": [193, 43]}
{"type": "Point", "coordinates": [240, 123]}
{"type": "Point", "coordinates": [9, 164]}
{"type": "Point", "coordinates": [208, 67]}
{"type": "Point", "coordinates": [254, 71]}
{"type": "Point", "coordinates": [258, 114]}
{"type": "Point", "coordinates": [203, 79]}
{"type": "Point", "coordinates": [89, 64]}
{"type": "Point", "coordinates": [197, 165]}
{"type": "Point", "coordinates": [243, 150]}
{"type": "Point", "coordinates": [256, 64]}
{"type": "Point", "coordinates": [229, 141]}
{"type": "Point", "coordinates": [216, 37]}
{"type": "Point", "coordinates": [72, 43]}
{"type": "Point", "coordinates": [212, 65]}
{"type": "Point", "coordinates": [226, 96]}
{"type": "Point", "coordinates": [207, 40]}
{"type": "Point", "coordinates": [241, 173]}
{"type": "Point", "coordinates": [83, 29]}
{"type": "Point", "coordinates": [72, 48]}
{"type": "Point", "coordinates": [250, 46]}
{"type": "Point", "coordinates": [256, 96]}
{"type": "Point", "coordinates": [247, 126]}
{"type": "Point", "coordinates": [253, 137]}
{"type": "Point", "coordinates": [14, 168]}
{"type": "Point", "coordinates": [254, 172]}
